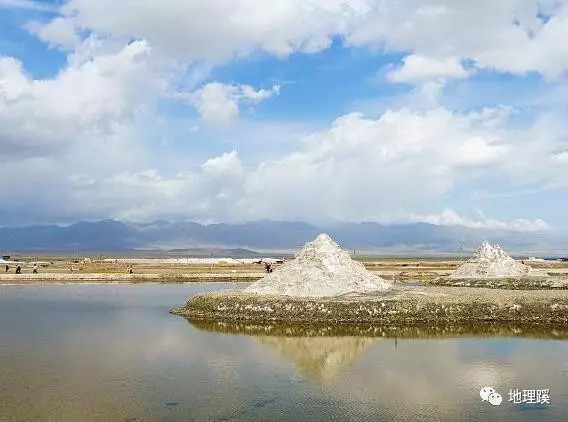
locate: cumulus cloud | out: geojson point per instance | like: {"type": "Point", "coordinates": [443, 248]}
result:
{"type": "Point", "coordinates": [218, 104]}
{"type": "Point", "coordinates": [416, 69]}
{"type": "Point", "coordinates": [219, 29]}
{"type": "Point", "coordinates": [449, 217]}
{"type": "Point", "coordinates": [84, 129]}
{"type": "Point", "coordinates": [371, 169]}
{"type": "Point", "coordinates": [479, 152]}
{"type": "Point", "coordinates": [512, 36]}
{"type": "Point", "coordinates": [28, 4]}
{"type": "Point", "coordinates": [360, 169]}
{"type": "Point", "coordinates": [223, 165]}
{"type": "Point", "coordinates": [59, 32]}
{"type": "Point", "coordinates": [39, 116]}
{"type": "Point", "coordinates": [561, 158]}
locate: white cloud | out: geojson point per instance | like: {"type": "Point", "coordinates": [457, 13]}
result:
{"type": "Point", "coordinates": [493, 117]}
{"type": "Point", "coordinates": [561, 158]}
{"type": "Point", "coordinates": [217, 30]}
{"type": "Point", "coordinates": [365, 169]}
{"type": "Point", "coordinates": [28, 4]}
{"type": "Point", "coordinates": [477, 151]}
{"type": "Point", "coordinates": [218, 104]}
{"type": "Point", "coordinates": [38, 116]}
{"type": "Point", "coordinates": [227, 163]}
{"type": "Point", "coordinates": [511, 36]}
{"type": "Point", "coordinates": [449, 217]}
{"type": "Point", "coordinates": [416, 69]}
{"type": "Point", "coordinates": [84, 129]}
{"type": "Point", "coordinates": [210, 189]}
{"type": "Point", "coordinates": [249, 93]}
{"type": "Point", "coordinates": [360, 169]}
{"type": "Point", "coordinates": [59, 32]}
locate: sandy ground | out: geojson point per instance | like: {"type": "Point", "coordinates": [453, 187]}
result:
{"type": "Point", "coordinates": [69, 270]}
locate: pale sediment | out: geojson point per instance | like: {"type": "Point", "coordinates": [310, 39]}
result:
{"type": "Point", "coordinates": [489, 262]}
{"type": "Point", "coordinates": [553, 282]}
{"type": "Point", "coordinates": [399, 306]}
{"type": "Point", "coordinates": [320, 269]}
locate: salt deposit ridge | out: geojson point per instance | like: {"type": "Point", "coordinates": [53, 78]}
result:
{"type": "Point", "coordinates": [320, 269]}
{"type": "Point", "coordinates": [491, 261]}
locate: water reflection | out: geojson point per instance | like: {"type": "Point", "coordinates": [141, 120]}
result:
{"type": "Point", "coordinates": [85, 353]}
{"type": "Point", "coordinates": [420, 371]}
{"type": "Point", "coordinates": [319, 358]}
{"type": "Point", "coordinates": [490, 329]}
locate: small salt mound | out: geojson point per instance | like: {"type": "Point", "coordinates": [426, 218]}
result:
{"type": "Point", "coordinates": [320, 269]}
{"type": "Point", "coordinates": [491, 261]}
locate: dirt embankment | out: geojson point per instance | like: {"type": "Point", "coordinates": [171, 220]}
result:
{"type": "Point", "coordinates": [400, 306]}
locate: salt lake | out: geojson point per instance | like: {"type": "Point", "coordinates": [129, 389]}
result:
{"type": "Point", "coordinates": [113, 352]}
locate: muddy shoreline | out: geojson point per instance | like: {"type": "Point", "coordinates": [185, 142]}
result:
{"type": "Point", "coordinates": [401, 306]}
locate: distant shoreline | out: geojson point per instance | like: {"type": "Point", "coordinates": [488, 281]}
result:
{"type": "Point", "coordinates": [117, 271]}
{"type": "Point", "coordinates": [85, 278]}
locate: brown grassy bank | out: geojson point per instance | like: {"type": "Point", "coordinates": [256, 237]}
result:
{"type": "Point", "coordinates": [400, 306]}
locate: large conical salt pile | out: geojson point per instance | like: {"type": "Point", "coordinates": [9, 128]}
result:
{"type": "Point", "coordinates": [491, 261]}
{"type": "Point", "coordinates": [320, 269]}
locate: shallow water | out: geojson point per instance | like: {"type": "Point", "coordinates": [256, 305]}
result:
{"type": "Point", "coordinates": [113, 352]}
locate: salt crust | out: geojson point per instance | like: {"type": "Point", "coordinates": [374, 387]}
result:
{"type": "Point", "coordinates": [491, 261]}
{"type": "Point", "coordinates": [320, 269]}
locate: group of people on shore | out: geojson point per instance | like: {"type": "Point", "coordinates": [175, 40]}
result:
{"type": "Point", "coordinates": [19, 269]}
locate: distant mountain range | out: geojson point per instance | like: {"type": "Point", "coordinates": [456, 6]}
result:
{"type": "Point", "coordinates": [265, 235]}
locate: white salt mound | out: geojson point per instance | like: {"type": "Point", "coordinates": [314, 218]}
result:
{"type": "Point", "coordinates": [491, 261]}
{"type": "Point", "coordinates": [320, 269]}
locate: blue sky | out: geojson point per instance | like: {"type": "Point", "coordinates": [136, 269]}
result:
{"type": "Point", "coordinates": [322, 111]}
